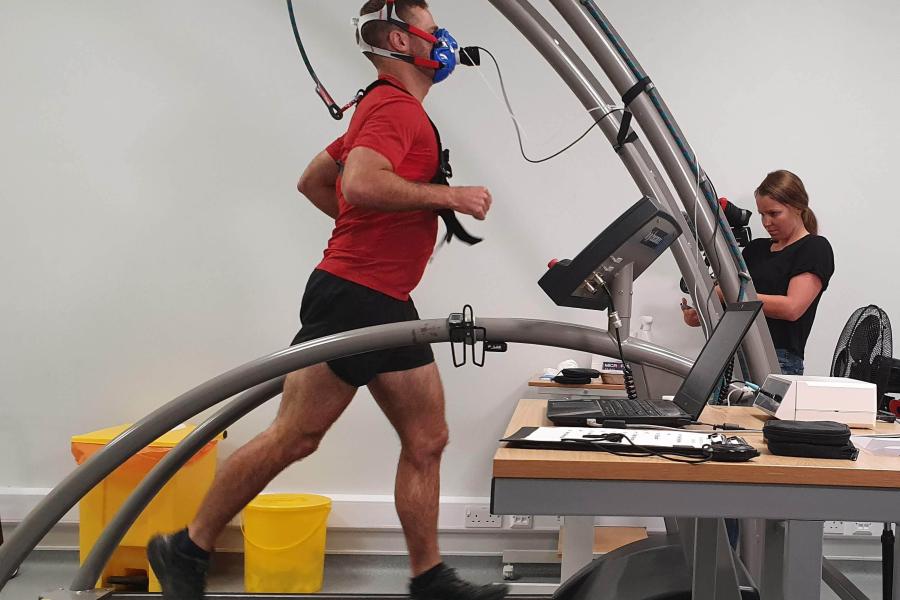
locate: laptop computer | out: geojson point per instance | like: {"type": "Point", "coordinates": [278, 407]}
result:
{"type": "Point", "coordinates": [690, 398]}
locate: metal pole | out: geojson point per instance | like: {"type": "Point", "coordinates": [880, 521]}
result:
{"type": "Point", "coordinates": [80, 481]}
{"type": "Point", "coordinates": [585, 339]}
{"type": "Point", "coordinates": [590, 93]}
{"type": "Point", "coordinates": [395, 335]}
{"type": "Point", "coordinates": [682, 166]}
{"type": "Point", "coordinates": [154, 481]}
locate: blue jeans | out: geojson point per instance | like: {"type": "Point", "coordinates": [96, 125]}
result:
{"type": "Point", "coordinates": [791, 364]}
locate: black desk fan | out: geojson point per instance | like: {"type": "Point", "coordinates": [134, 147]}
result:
{"type": "Point", "coordinates": [865, 352]}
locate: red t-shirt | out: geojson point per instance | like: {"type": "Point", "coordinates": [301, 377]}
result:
{"type": "Point", "coordinates": [385, 251]}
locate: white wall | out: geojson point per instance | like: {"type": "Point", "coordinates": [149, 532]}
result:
{"type": "Point", "coordinates": [151, 236]}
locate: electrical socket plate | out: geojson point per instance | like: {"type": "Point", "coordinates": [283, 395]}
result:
{"type": "Point", "coordinates": [479, 515]}
{"type": "Point", "coordinates": [834, 527]}
{"type": "Point", "coordinates": [521, 522]}
{"type": "Point", "coordinates": [855, 528]}
{"type": "Point", "coordinates": [860, 528]}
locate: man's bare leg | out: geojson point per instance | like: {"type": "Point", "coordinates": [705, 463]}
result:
{"type": "Point", "coordinates": [413, 401]}
{"type": "Point", "coordinates": [312, 401]}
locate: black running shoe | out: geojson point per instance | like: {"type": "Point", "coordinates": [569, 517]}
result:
{"type": "Point", "coordinates": [181, 577]}
{"type": "Point", "coordinates": [446, 585]}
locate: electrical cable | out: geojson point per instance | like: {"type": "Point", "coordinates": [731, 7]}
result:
{"type": "Point", "coordinates": [726, 377]}
{"type": "Point", "coordinates": [630, 386]}
{"type": "Point", "coordinates": [728, 428]}
{"type": "Point", "coordinates": [333, 109]}
{"type": "Point", "coordinates": [730, 394]}
{"type": "Point", "coordinates": [515, 120]}
{"type": "Point", "coordinates": [732, 428]}
{"type": "Point", "coordinates": [642, 450]}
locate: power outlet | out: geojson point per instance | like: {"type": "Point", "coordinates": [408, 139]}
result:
{"type": "Point", "coordinates": [860, 528]}
{"type": "Point", "coordinates": [834, 527]}
{"type": "Point", "coordinates": [521, 522]}
{"type": "Point", "coordinates": [479, 515]}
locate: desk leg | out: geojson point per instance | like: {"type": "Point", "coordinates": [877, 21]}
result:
{"type": "Point", "coordinates": [671, 525]}
{"type": "Point", "coordinates": [896, 586]}
{"type": "Point", "coordinates": [714, 577]}
{"type": "Point", "coordinates": [687, 529]}
{"type": "Point", "coordinates": [751, 545]}
{"type": "Point", "coordinates": [771, 581]}
{"type": "Point", "coordinates": [577, 545]}
{"type": "Point", "coordinates": [803, 559]}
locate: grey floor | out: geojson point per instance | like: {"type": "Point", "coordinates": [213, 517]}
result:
{"type": "Point", "coordinates": [353, 574]}
{"type": "Point", "coordinates": [344, 574]}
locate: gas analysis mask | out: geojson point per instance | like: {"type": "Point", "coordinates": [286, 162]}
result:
{"type": "Point", "coordinates": [444, 50]}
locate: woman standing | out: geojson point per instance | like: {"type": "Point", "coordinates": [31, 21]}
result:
{"type": "Point", "coordinates": [790, 269]}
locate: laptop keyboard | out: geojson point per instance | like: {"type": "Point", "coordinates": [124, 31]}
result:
{"type": "Point", "coordinates": [639, 408]}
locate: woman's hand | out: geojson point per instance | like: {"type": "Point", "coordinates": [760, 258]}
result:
{"type": "Point", "coordinates": [690, 315]}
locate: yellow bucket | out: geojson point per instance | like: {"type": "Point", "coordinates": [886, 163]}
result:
{"type": "Point", "coordinates": [284, 543]}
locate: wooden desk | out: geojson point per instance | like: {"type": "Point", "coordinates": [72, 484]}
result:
{"type": "Point", "coordinates": [595, 384]}
{"type": "Point", "coordinates": [544, 388]}
{"type": "Point", "coordinates": [868, 471]}
{"type": "Point", "coordinates": [803, 492]}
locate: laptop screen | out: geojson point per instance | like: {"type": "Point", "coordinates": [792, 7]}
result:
{"type": "Point", "coordinates": [704, 376]}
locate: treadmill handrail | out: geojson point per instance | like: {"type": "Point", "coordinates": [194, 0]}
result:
{"type": "Point", "coordinates": [84, 477]}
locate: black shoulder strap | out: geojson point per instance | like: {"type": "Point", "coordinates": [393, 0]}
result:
{"type": "Point", "coordinates": [441, 177]}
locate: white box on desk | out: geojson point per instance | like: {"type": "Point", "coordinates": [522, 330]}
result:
{"type": "Point", "coordinates": [811, 398]}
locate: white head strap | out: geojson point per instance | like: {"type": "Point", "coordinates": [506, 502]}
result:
{"type": "Point", "coordinates": [388, 15]}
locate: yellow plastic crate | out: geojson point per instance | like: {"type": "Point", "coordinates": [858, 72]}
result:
{"type": "Point", "coordinates": [172, 509]}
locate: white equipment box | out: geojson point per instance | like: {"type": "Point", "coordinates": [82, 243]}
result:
{"type": "Point", "coordinates": [809, 398]}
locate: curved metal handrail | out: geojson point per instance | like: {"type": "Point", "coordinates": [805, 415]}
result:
{"type": "Point", "coordinates": [81, 480]}
{"type": "Point", "coordinates": [670, 144]}
{"type": "Point", "coordinates": [548, 333]}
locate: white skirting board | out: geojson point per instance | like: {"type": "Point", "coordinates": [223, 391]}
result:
{"type": "Point", "coordinates": [368, 524]}
{"type": "Point", "coordinates": [357, 523]}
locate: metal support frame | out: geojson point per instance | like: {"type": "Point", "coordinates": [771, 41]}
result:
{"type": "Point", "coordinates": [587, 88]}
{"type": "Point", "coordinates": [657, 567]}
{"type": "Point", "coordinates": [255, 373]}
{"type": "Point", "coordinates": [577, 545]}
{"type": "Point", "coordinates": [802, 575]}
{"type": "Point", "coordinates": [80, 481]}
{"type": "Point", "coordinates": [714, 575]}
{"type": "Point", "coordinates": [839, 584]}
{"type": "Point", "coordinates": [683, 167]}
{"type": "Point", "coordinates": [792, 562]}
{"type": "Point", "coordinates": [668, 142]}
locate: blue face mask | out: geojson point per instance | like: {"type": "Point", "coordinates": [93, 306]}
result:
{"type": "Point", "coordinates": [446, 52]}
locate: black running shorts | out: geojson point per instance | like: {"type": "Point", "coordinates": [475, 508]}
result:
{"type": "Point", "coordinates": [331, 305]}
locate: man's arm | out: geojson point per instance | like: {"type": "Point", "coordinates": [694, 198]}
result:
{"type": "Point", "coordinates": [318, 183]}
{"type": "Point", "coordinates": [369, 180]}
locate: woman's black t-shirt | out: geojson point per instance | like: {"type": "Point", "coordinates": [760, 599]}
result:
{"type": "Point", "coordinates": [772, 273]}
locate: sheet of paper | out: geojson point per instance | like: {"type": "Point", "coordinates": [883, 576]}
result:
{"type": "Point", "coordinates": [641, 437]}
{"type": "Point", "coordinates": [885, 446]}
